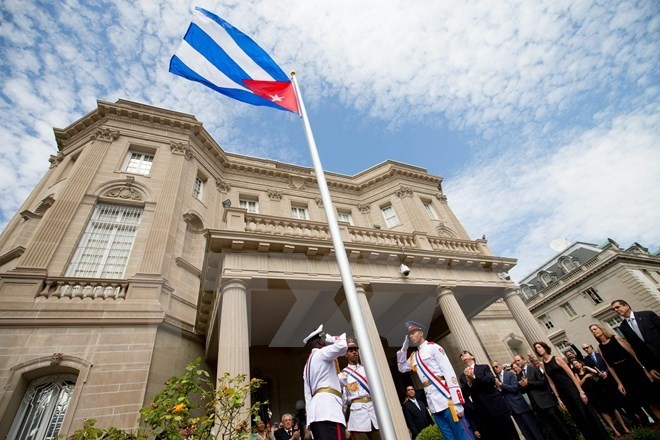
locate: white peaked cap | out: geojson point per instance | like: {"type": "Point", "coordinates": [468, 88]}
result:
{"type": "Point", "coordinates": [313, 334]}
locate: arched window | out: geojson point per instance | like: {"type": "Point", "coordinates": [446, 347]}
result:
{"type": "Point", "coordinates": [546, 278]}
{"type": "Point", "coordinates": [568, 263]}
{"type": "Point", "coordinates": [43, 408]}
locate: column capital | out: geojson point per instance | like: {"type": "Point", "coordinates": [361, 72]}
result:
{"type": "Point", "coordinates": [365, 289]}
{"type": "Point", "coordinates": [511, 291]}
{"type": "Point", "coordinates": [444, 289]}
{"type": "Point", "coordinates": [105, 134]}
{"type": "Point", "coordinates": [234, 283]}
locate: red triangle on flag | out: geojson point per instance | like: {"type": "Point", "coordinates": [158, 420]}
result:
{"type": "Point", "coordinates": [278, 92]}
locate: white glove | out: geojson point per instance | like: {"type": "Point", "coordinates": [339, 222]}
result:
{"type": "Point", "coordinates": [406, 341]}
{"type": "Point", "coordinates": [329, 339]}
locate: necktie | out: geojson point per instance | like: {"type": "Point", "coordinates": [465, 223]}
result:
{"type": "Point", "coordinates": [525, 372]}
{"type": "Point", "coordinates": [633, 325]}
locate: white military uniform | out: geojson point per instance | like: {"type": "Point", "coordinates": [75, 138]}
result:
{"type": "Point", "coordinates": [320, 376]}
{"type": "Point", "coordinates": [363, 414]}
{"type": "Point", "coordinates": [434, 357]}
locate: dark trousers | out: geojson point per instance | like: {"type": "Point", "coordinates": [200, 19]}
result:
{"type": "Point", "coordinates": [372, 435]}
{"type": "Point", "coordinates": [328, 431]}
{"type": "Point", "coordinates": [528, 425]}
{"type": "Point", "coordinates": [553, 423]}
{"type": "Point", "coordinates": [498, 427]}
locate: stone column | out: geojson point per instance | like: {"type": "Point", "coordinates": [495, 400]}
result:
{"type": "Point", "coordinates": [57, 219]}
{"type": "Point", "coordinates": [393, 400]}
{"type": "Point", "coordinates": [162, 231]}
{"type": "Point", "coordinates": [529, 326]}
{"type": "Point", "coordinates": [233, 333]}
{"type": "Point", "coordinates": [460, 327]}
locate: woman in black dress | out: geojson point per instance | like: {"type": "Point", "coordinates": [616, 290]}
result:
{"type": "Point", "coordinates": [634, 382]}
{"type": "Point", "coordinates": [569, 392]}
{"type": "Point", "coordinates": [599, 395]}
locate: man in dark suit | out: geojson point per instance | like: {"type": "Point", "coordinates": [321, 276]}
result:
{"type": "Point", "coordinates": [492, 415]}
{"type": "Point", "coordinates": [287, 430]}
{"type": "Point", "coordinates": [532, 382]}
{"type": "Point", "coordinates": [642, 331]}
{"type": "Point", "coordinates": [507, 383]}
{"type": "Point", "coordinates": [416, 413]}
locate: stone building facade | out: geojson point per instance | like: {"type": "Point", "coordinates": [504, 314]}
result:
{"type": "Point", "coordinates": [575, 288]}
{"type": "Point", "coordinates": [146, 245]}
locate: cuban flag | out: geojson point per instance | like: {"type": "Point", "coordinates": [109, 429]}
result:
{"type": "Point", "coordinates": [216, 54]}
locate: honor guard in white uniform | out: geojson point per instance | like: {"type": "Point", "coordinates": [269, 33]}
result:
{"type": "Point", "coordinates": [323, 399]}
{"type": "Point", "coordinates": [443, 392]}
{"type": "Point", "coordinates": [362, 422]}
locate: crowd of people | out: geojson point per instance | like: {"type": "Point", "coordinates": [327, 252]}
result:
{"type": "Point", "coordinates": [614, 385]}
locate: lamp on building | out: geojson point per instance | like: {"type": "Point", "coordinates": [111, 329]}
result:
{"type": "Point", "coordinates": [403, 269]}
{"type": "Point", "coordinates": [504, 276]}
{"type": "Point", "coordinates": [376, 226]}
{"type": "Point", "coordinates": [226, 203]}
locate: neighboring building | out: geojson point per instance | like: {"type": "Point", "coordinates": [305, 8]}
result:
{"type": "Point", "coordinates": [145, 245]}
{"type": "Point", "coordinates": [575, 288]}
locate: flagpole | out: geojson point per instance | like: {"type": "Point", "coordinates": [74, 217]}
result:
{"type": "Point", "coordinates": [366, 351]}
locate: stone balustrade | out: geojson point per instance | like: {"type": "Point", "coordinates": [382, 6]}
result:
{"type": "Point", "coordinates": [454, 245]}
{"type": "Point", "coordinates": [76, 288]}
{"type": "Point", "coordinates": [381, 238]}
{"type": "Point", "coordinates": [288, 227]}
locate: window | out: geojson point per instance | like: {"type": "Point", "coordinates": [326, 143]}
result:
{"type": "Point", "coordinates": [430, 211]}
{"type": "Point", "coordinates": [299, 212]}
{"type": "Point", "coordinates": [344, 216]}
{"type": "Point", "coordinates": [614, 324]}
{"type": "Point", "coordinates": [43, 408]}
{"type": "Point", "coordinates": [561, 345]}
{"type": "Point", "coordinates": [593, 295]}
{"type": "Point", "coordinates": [138, 163]}
{"type": "Point", "coordinates": [252, 206]}
{"type": "Point", "coordinates": [569, 310]}
{"type": "Point", "coordinates": [107, 242]}
{"type": "Point", "coordinates": [390, 216]}
{"type": "Point", "coordinates": [545, 320]}
{"type": "Point", "coordinates": [198, 188]}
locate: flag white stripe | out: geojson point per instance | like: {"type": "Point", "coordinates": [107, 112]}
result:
{"type": "Point", "coordinates": [200, 65]}
{"type": "Point", "coordinates": [233, 50]}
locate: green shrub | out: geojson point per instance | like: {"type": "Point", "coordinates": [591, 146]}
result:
{"type": "Point", "coordinates": [643, 434]}
{"type": "Point", "coordinates": [429, 433]}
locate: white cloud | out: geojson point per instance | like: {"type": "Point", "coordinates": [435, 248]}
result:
{"type": "Point", "coordinates": [602, 183]}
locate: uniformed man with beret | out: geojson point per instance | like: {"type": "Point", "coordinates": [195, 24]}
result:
{"type": "Point", "coordinates": [323, 398]}
{"type": "Point", "coordinates": [443, 392]}
{"type": "Point", "coordinates": [362, 422]}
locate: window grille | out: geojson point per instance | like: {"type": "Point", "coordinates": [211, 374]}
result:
{"type": "Point", "coordinates": [569, 310]}
{"type": "Point", "coordinates": [299, 213]}
{"type": "Point", "coordinates": [614, 324]}
{"type": "Point", "coordinates": [345, 217]}
{"type": "Point", "coordinates": [198, 188]}
{"type": "Point", "coordinates": [43, 408]}
{"type": "Point", "coordinates": [545, 320]}
{"type": "Point", "coordinates": [593, 295]}
{"type": "Point", "coordinates": [430, 211]}
{"type": "Point", "coordinates": [138, 163]}
{"type": "Point", "coordinates": [252, 206]}
{"type": "Point", "coordinates": [106, 245]}
{"type": "Point", "coordinates": [390, 216]}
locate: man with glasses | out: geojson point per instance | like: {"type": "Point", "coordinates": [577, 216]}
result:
{"type": "Point", "coordinates": [507, 383]}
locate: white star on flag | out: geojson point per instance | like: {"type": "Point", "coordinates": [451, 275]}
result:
{"type": "Point", "coordinates": [275, 98]}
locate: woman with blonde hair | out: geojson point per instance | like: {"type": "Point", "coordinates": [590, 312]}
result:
{"type": "Point", "coordinates": [632, 379]}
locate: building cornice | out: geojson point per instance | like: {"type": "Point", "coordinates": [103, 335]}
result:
{"type": "Point", "coordinates": [572, 279]}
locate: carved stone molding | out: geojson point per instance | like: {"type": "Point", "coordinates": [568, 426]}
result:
{"type": "Point", "coordinates": [444, 231]}
{"type": "Point", "coordinates": [441, 197]}
{"type": "Point", "coordinates": [55, 160]}
{"type": "Point", "coordinates": [223, 186]}
{"type": "Point", "coordinates": [297, 182]}
{"type": "Point", "coordinates": [105, 134]}
{"type": "Point", "coordinates": [274, 195]}
{"type": "Point", "coordinates": [404, 191]}
{"type": "Point", "coordinates": [125, 193]}
{"type": "Point", "coordinates": [319, 202]}
{"type": "Point", "coordinates": [181, 148]}
{"type": "Point", "coordinates": [56, 359]}
{"type": "Point", "coordinates": [364, 208]}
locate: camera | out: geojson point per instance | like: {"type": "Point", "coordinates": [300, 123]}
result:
{"type": "Point", "coordinates": [405, 270]}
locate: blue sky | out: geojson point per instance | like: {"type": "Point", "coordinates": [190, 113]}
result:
{"type": "Point", "coordinates": [541, 116]}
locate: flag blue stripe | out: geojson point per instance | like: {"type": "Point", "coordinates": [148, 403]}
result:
{"type": "Point", "coordinates": [210, 50]}
{"type": "Point", "coordinates": [250, 47]}
{"type": "Point", "coordinates": [178, 67]}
